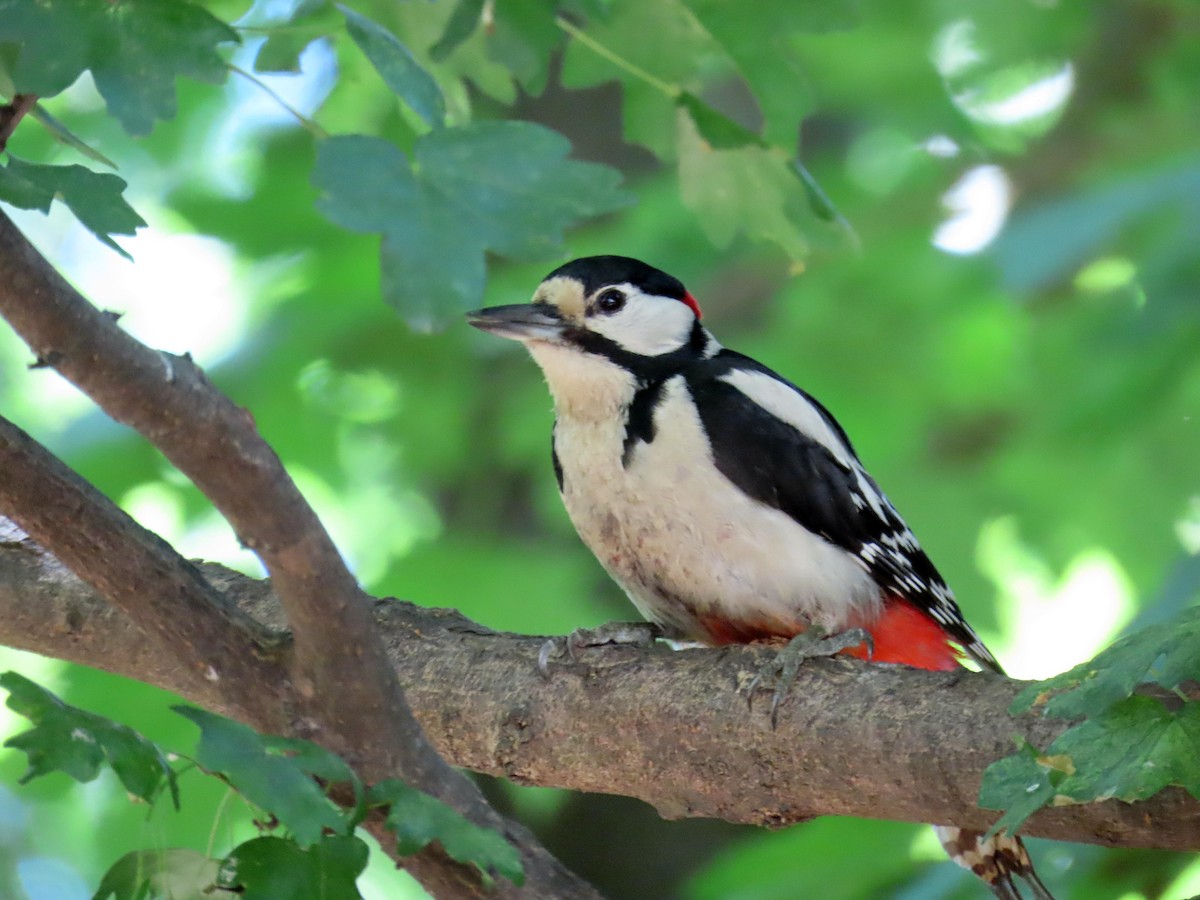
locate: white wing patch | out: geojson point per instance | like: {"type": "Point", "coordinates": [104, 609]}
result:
{"type": "Point", "coordinates": [782, 401]}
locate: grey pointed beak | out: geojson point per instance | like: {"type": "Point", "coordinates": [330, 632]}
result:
{"type": "Point", "coordinates": [520, 322]}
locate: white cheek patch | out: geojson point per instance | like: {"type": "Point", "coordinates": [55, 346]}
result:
{"type": "Point", "coordinates": [648, 325]}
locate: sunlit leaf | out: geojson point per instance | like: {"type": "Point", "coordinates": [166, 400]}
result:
{"type": "Point", "coordinates": [76, 742]}
{"type": "Point", "coordinates": [135, 49]}
{"type": "Point", "coordinates": [418, 818]}
{"type": "Point", "coordinates": [151, 874]}
{"type": "Point", "coordinates": [743, 190]}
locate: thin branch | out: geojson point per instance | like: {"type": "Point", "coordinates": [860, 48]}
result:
{"type": "Point", "coordinates": [306, 123]}
{"type": "Point", "coordinates": [344, 693]}
{"type": "Point", "coordinates": [11, 115]}
{"type": "Point", "coordinates": [673, 91]}
{"type": "Point", "coordinates": [138, 572]}
{"type": "Point", "coordinates": [668, 728]}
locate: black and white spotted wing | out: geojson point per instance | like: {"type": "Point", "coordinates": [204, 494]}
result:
{"type": "Point", "coordinates": [787, 451]}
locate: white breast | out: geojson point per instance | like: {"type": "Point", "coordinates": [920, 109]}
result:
{"type": "Point", "coordinates": [686, 544]}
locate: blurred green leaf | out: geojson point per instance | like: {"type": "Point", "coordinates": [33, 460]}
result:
{"type": "Point", "coordinates": [1166, 654]}
{"type": "Point", "coordinates": [662, 40]}
{"type": "Point", "coordinates": [135, 50]}
{"type": "Point", "coordinates": [78, 743]}
{"type": "Point", "coordinates": [272, 868]}
{"type": "Point", "coordinates": [504, 187]}
{"type": "Point", "coordinates": [720, 131]}
{"type": "Point", "coordinates": [275, 774]}
{"type": "Point", "coordinates": [746, 190]}
{"type": "Point", "coordinates": [65, 136]}
{"type": "Point", "coordinates": [1048, 240]}
{"type": "Point", "coordinates": [398, 68]}
{"type": "Point", "coordinates": [765, 56]}
{"type": "Point", "coordinates": [154, 874]}
{"type": "Point", "coordinates": [94, 197]}
{"type": "Point", "coordinates": [418, 818]}
{"type": "Point", "coordinates": [462, 22]}
{"type": "Point", "coordinates": [307, 21]}
{"type": "Point", "coordinates": [522, 38]}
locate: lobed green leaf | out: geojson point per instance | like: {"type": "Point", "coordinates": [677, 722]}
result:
{"type": "Point", "coordinates": [273, 868]}
{"type": "Point", "coordinates": [94, 197]}
{"type": "Point", "coordinates": [135, 49]}
{"type": "Point", "coordinates": [398, 67]}
{"type": "Point", "coordinates": [1166, 654]}
{"type": "Point", "coordinates": [1129, 752]}
{"type": "Point", "coordinates": [275, 774]}
{"type": "Point", "coordinates": [418, 818]}
{"type": "Point", "coordinates": [503, 187]}
{"type": "Point", "coordinates": [70, 740]}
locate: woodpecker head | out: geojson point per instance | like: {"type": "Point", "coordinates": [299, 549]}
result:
{"type": "Point", "coordinates": [611, 311]}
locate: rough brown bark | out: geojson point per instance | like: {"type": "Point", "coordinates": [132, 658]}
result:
{"type": "Point", "coordinates": [668, 728]}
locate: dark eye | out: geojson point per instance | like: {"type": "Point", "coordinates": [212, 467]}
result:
{"type": "Point", "coordinates": [610, 300]}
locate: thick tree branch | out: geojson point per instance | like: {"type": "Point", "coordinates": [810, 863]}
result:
{"type": "Point", "coordinates": [215, 443]}
{"type": "Point", "coordinates": [207, 638]}
{"type": "Point", "coordinates": [342, 693]}
{"type": "Point", "coordinates": [669, 728]}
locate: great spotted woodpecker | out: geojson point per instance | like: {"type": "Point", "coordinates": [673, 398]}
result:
{"type": "Point", "coordinates": [728, 503]}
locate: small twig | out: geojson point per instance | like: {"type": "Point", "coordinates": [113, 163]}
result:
{"type": "Point", "coordinates": [673, 91]}
{"type": "Point", "coordinates": [308, 124]}
{"type": "Point", "coordinates": [12, 113]}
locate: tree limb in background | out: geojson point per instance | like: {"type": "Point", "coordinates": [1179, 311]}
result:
{"type": "Point", "coordinates": [343, 691]}
{"type": "Point", "coordinates": [668, 728]}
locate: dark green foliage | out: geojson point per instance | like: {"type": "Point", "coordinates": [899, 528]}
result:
{"type": "Point", "coordinates": [504, 187]}
{"type": "Point", "coordinates": [1127, 746]}
{"type": "Point", "coordinates": [135, 49]}
{"type": "Point", "coordinates": [271, 868]}
{"type": "Point", "coordinates": [94, 197]}
{"type": "Point", "coordinates": [417, 819]}
{"type": "Point", "coordinates": [286, 778]}
{"type": "Point", "coordinates": [275, 774]}
{"type": "Point", "coordinates": [78, 743]}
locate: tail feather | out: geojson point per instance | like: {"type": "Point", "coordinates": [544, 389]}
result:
{"type": "Point", "coordinates": [998, 861]}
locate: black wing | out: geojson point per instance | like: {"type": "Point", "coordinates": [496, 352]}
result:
{"type": "Point", "coordinates": [818, 481]}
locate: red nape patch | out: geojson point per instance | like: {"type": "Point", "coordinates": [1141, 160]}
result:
{"type": "Point", "coordinates": [904, 634]}
{"type": "Point", "coordinates": [692, 304]}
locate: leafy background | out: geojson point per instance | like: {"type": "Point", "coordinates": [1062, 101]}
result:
{"type": "Point", "coordinates": [985, 265]}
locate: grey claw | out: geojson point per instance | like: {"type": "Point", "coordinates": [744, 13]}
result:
{"type": "Point", "coordinates": [547, 650]}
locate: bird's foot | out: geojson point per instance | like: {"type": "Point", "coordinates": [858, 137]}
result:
{"type": "Point", "coordinates": [638, 634]}
{"type": "Point", "coordinates": [778, 675]}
